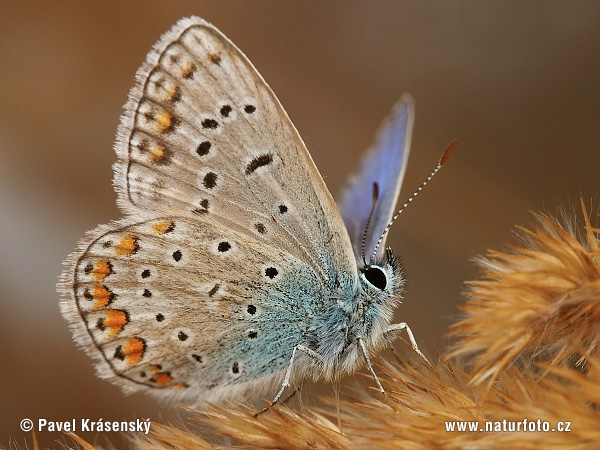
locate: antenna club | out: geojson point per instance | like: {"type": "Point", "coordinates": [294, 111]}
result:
{"type": "Point", "coordinates": [448, 151]}
{"type": "Point", "coordinates": [443, 159]}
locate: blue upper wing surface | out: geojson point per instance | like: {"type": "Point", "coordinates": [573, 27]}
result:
{"type": "Point", "coordinates": [385, 164]}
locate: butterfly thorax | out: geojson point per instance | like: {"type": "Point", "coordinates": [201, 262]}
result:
{"type": "Point", "coordinates": [364, 312]}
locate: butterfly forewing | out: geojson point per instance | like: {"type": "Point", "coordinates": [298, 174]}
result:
{"type": "Point", "coordinates": [385, 164]}
{"type": "Point", "coordinates": [204, 135]}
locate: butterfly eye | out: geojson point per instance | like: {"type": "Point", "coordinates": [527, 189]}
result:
{"type": "Point", "coordinates": [375, 276]}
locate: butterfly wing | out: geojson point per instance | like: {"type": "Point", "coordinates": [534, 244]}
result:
{"type": "Point", "coordinates": [203, 135]}
{"type": "Point", "coordinates": [150, 327]}
{"type": "Point", "coordinates": [384, 164]}
{"type": "Point", "coordinates": [230, 239]}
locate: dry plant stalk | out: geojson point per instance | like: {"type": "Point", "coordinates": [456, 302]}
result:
{"type": "Point", "coordinates": [540, 301]}
{"type": "Point", "coordinates": [527, 349]}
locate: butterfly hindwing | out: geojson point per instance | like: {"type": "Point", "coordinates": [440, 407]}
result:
{"type": "Point", "coordinates": [385, 164]}
{"type": "Point", "coordinates": [150, 327]}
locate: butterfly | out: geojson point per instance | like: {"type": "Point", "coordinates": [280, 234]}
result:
{"type": "Point", "coordinates": [233, 271]}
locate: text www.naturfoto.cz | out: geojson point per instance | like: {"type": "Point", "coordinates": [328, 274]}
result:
{"type": "Point", "coordinates": [525, 426]}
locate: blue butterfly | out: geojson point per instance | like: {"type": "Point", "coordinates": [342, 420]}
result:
{"type": "Point", "coordinates": [233, 271]}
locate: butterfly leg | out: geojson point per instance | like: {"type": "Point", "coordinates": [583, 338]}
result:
{"type": "Point", "coordinates": [363, 347]}
{"type": "Point", "coordinates": [394, 328]}
{"type": "Point", "coordinates": [284, 401]}
{"type": "Point", "coordinates": [288, 373]}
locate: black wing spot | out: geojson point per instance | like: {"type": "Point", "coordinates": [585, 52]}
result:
{"type": "Point", "coordinates": [259, 161]}
{"type": "Point", "coordinates": [203, 208]}
{"type": "Point", "coordinates": [210, 180]}
{"type": "Point", "coordinates": [224, 246]}
{"type": "Point", "coordinates": [260, 227]}
{"type": "Point", "coordinates": [214, 290]}
{"type": "Point", "coordinates": [210, 123]}
{"type": "Point", "coordinates": [177, 255]}
{"type": "Point", "coordinates": [271, 272]}
{"type": "Point", "coordinates": [225, 110]}
{"type": "Point", "coordinates": [203, 148]}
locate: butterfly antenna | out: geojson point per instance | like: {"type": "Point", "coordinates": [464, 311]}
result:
{"type": "Point", "coordinates": [441, 162]}
{"type": "Point", "coordinates": [364, 236]}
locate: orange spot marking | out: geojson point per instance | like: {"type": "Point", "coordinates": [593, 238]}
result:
{"type": "Point", "coordinates": [127, 246]}
{"type": "Point", "coordinates": [101, 270]}
{"type": "Point", "coordinates": [115, 320]}
{"type": "Point", "coordinates": [179, 386]}
{"type": "Point", "coordinates": [173, 94]}
{"type": "Point", "coordinates": [102, 296]}
{"type": "Point", "coordinates": [162, 227]}
{"type": "Point", "coordinates": [134, 350]}
{"type": "Point", "coordinates": [188, 69]}
{"type": "Point", "coordinates": [157, 150]}
{"type": "Point", "coordinates": [162, 378]}
{"type": "Point", "coordinates": [154, 368]}
{"type": "Point", "coordinates": [163, 121]}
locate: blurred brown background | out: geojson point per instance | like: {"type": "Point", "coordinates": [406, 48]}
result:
{"type": "Point", "coordinates": [517, 82]}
